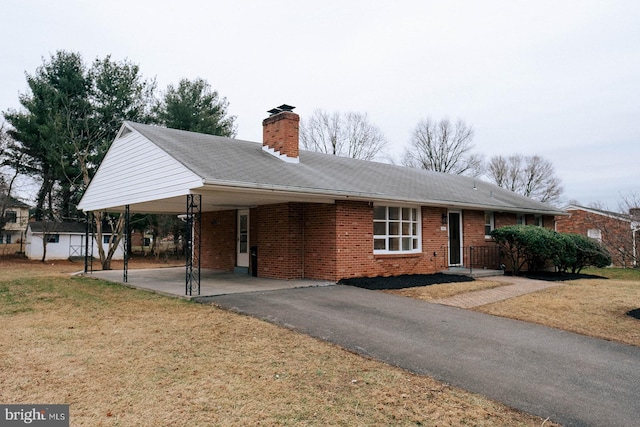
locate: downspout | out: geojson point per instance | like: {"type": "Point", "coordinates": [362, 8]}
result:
{"type": "Point", "coordinates": [304, 210]}
{"type": "Point", "coordinates": [635, 254]}
{"type": "Point", "coordinates": [86, 244]}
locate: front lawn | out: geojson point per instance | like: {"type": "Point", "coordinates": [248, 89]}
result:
{"type": "Point", "coordinates": [594, 307]}
{"type": "Point", "coordinates": [123, 357]}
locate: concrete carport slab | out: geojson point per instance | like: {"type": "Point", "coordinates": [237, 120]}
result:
{"type": "Point", "coordinates": [171, 281]}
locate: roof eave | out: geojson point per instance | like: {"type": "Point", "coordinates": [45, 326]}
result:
{"type": "Point", "coordinates": [361, 196]}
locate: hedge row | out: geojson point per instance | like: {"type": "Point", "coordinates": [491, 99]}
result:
{"type": "Point", "coordinates": [538, 248]}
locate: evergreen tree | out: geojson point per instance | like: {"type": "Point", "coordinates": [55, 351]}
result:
{"type": "Point", "coordinates": [195, 106]}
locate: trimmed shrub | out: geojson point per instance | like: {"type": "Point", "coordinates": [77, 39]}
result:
{"type": "Point", "coordinates": [523, 245]}
{"type": "Point", "coordinates": [538, 248]}
{"type": "Point", "coordinates": [567, 257]}
{"type": "Point", "coordinates": [588, 253]}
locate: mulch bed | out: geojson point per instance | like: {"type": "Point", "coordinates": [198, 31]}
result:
{"type": "Point", "coordinates": [403, 281]}
{"type": "Point", "coordinates": [413, 280]}
{"type": "Point", "coordinates": [635, 313]}
{"type": "Point", "coordinates": [551, 276]}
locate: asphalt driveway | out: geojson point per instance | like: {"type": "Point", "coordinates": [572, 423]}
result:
{"type": "Point", "coordinates": [572, 379]}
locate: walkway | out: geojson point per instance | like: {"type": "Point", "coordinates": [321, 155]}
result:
{"type": "Point", "coordinates": [515, 287]}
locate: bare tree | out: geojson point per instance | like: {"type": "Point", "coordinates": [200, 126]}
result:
{"type": "Point", "coordinates": [505, 172]}
{"type": "Point", "coordinates": [49, 229]}
{"type": "Point", "coordinates": [342, 134]}
{"type": "Point", "coordinates": [443, 147]}
{"type": "Point", "coordinates": [82, 137]}
{"type": "Point", "coordinates": [531, 176]}
{"type": "Point", "coordinates": [630, 204]}
{"type": "Point", "coordinates": [10, 164]}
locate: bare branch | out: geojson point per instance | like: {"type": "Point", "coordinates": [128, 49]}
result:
{"type": "Point", "coordinates": [443, 147]}
{"type": "Point", "coordinates": [531, 176]}
{"type": "Point", "coordinates": [342, 134]}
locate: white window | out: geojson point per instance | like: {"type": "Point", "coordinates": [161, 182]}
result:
{"type": "Point", "coordinates": [11, 216]}
{"type": "Point", "coordinates": [396, 230]}
{"type": "Point", "coordinates": [521, 219]}
{"type": "Point", "coordinates": [595, 233]}
{"type": "Point", "coordinates": [489, 224]}
{"type": "Point", "coordinates": [52, 238]}
{"type": "Point", "coordinates": [539, 222]}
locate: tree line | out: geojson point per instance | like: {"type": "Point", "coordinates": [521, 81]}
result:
{"type": "Point", "coordinates": [435, 145]}
{"type": "Point", "coordinates": [71, 113]}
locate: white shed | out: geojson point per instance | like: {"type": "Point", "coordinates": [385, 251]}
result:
{"type": "Point", "coordinates": [64, 240]}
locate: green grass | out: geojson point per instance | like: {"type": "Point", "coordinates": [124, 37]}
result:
{"type": "Point", "coordinates": [615, 273]}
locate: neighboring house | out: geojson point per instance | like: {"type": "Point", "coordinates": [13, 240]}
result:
{"type": "Point", "coordinates": [64, 240]}
{"type": "Point", "coordinates": [140, 241]}
{"type": "Point", "coordinates": [17, 216]}
{"type": "Point", "coordinates": [614, 230]}
{"type": "Point", "coordinates": [281, 212]}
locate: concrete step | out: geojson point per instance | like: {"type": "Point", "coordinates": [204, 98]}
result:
{"type": "Point", "coordinates": [476, 272]}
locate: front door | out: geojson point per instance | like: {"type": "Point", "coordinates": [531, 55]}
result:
{"type": "Point", "coordinates": [243, 238]}
{"type": "Point", "coordinates": [455, 238]}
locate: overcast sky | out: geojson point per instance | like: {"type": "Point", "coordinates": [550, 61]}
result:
{"type": "Point", "coordinates": [560, 79]}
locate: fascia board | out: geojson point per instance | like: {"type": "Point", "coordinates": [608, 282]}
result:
{"type": "Point", "coordinates": [323, 193]}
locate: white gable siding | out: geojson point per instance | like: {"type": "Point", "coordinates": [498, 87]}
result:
{"type": "Point", "coordinates": [135, 170]}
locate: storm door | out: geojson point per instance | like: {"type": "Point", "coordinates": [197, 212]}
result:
{"type": "Point", "coordinates": [455, 238]}
{"type": "Point", "coordinates": [243, 238]}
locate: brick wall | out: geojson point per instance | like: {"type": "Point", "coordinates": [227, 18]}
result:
{"type": "Point", "coordinates": [355, 258]}
{"type": "Point", "coordinates": [473, 229]}
{"type": "Point", "coordinates": [332, 241]}
{"type": "Point", "coordinates": [616, 233]}
{"type": "Point", "coordinates": [338, 242]}
{"type": "Point", "coordinates": [279, 239]}
{"type": "Point", "coordinates": [320, 241]}
{"type": "Point", "coordinates": [354, 239]}
{"type": "Point", "coordinates": [219, 240]}
{"type": "Point", "coordinates": [502, 219]}
{"type": "Point", "coordinates": [434, 239]}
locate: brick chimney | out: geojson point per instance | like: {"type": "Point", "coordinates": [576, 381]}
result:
{"type": "Point", "coordinates": [280, 133]}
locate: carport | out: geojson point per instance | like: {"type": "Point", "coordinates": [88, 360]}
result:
{"type": "Point", "coordinates": [155, 170]}
{"type": "Point", "coordinates": [167, 281]}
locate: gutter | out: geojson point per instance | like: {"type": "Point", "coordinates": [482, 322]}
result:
{"type": "Point", "coordinates": [360, 196]}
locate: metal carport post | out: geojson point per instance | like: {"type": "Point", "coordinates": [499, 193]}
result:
{"type": "Point", "coordinates": [127, 237]}
{"type": "Point", "coordinates": [193, 243]}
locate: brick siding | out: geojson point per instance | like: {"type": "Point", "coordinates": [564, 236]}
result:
{"type": "Point", "coordinates": [332, 241]}
{"type": "Point", "coordinates": [280, 132]}
{"type": "Point", "coordinates": [616, 233]}
{"type": "Point", "coordinates": [218, 249]}
{"type": "Point", "coordinates": [320, 254]}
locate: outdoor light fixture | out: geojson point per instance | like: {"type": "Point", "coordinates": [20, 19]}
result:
{"type": "Point", "coordinates": [444, 218]}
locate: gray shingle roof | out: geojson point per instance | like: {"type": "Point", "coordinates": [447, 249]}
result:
{"type": "Point", "coordinates": [224, 160]}
{"type": "Point", "coordinates": [11, 202]}
{"type": "Point", "coordinates": [55, 227]}
{"type": "Point", "coordinates": [618, 215]}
